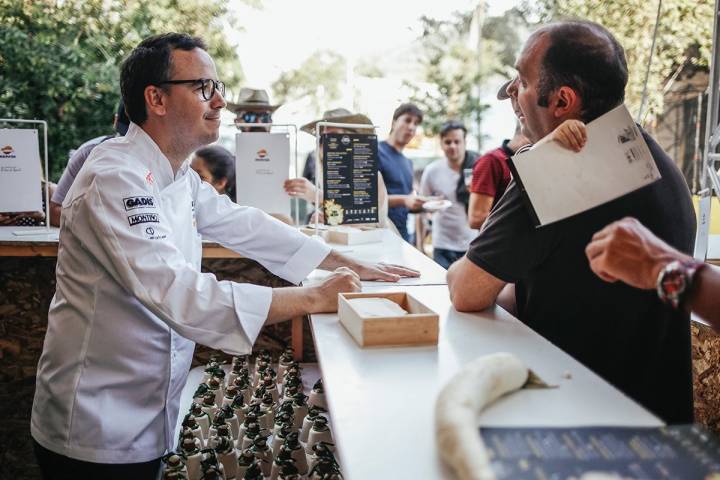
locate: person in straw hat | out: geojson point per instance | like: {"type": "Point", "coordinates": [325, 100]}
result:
{"type": "Point", "coordinates": [252, 106]}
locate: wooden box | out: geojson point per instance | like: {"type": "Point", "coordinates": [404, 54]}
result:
{"type": "Point", "coordinates": [418, 327]}
{"type": "Point", "coordinates": [354, 235]}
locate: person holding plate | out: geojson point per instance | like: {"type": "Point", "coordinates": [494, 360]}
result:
{"type": "Point", "coordinates": [451, 234]}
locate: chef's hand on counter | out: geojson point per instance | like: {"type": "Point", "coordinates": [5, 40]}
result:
{"type": "Point", "coordinates": [381, 271]}
{"type": "Point", "coordinates": [325, 294]}
{"type": "Point", "coordinates": [290, 302]}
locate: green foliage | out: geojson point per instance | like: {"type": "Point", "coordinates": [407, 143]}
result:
{"type": "Point", "coordinates": [319, 78]}
{"type": "Point", "coordinates": [453, 70]}
{"type": "Point", "coordinates": [368, 69]}
{"type": "Point", "coordinates": [59, 61]}
{"type": "Point", "coordinates": [504, 34]}
{"type": "Point", "coordinates": [684, 37]}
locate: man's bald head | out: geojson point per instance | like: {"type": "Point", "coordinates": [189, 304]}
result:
{"type": "Point", "coordinates": [586, 57]}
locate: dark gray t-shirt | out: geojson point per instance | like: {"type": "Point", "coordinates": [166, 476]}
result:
{"type": "Point", "coordinates": [624, 334]}
{"type": "Point", "coordinates": [75, 163]}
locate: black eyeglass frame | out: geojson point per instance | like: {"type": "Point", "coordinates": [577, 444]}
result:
{"type": "Point", "coordinates": [217, 85]}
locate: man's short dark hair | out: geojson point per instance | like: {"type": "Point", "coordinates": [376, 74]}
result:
{"type": "Point", "coordinates": [586, 57]}
{"type": "Point", "coordinates": [451, 125]}
{"type": "Point", "coordinates": [410, 108]}
{"type": "Point", "coordinates": [150, 64]}
{"type": "Point", "coordinates": [122, 122]}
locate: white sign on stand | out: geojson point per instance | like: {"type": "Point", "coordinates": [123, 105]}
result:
{"type": "Point", "coordinates": [20, 171]}
{"type": "Point", "coordinates": [262, 164]}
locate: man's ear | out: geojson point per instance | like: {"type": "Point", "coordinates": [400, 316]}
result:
{"type": "Point", "coordinates": [565, 103]}
{"type": "Point", "coordinates": [155, 100]}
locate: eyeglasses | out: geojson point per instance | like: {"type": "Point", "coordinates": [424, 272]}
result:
{"type": "Point", "coordinates": [208, 85]}
{"type": "Point", "coordinates": [254, 117]}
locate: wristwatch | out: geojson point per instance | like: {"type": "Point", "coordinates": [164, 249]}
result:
{"type": "Point", "coordinates": [675, 281]}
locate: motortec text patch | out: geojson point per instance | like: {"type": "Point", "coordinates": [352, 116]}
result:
{"type": "Point", "coordinates": [143, 218]}
{"type": "Point", "coordinates": [132, 203]}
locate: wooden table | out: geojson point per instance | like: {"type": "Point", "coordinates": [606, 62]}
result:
{"type": "Point", "coordinates": [44, 243]}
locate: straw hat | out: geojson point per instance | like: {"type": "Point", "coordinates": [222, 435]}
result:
{"type": "Point", "coordinates": [251, 99]}
{"type": "Point", "coordinates": [341, 115]}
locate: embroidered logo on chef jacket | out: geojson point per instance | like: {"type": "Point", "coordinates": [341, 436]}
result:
{"type": "Point", "coordinates": [131, 203]}
{"type": "Point", "coordinates": [143, 218]}
{"type": "Point", "coordinates": [151, 234]}
{"type": "Point", "coordinates": [149, 178]}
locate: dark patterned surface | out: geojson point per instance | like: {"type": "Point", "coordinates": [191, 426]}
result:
{"type": "Point", "coordinates": [706, 376]}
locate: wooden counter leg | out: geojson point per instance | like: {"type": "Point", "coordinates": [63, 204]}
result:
{"type": "Point", "coordinates": [296, 337]}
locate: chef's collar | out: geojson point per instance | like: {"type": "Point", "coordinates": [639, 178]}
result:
{"type": "Point", "coordinates": [153, 158]}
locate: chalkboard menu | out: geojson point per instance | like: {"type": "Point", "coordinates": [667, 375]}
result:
{"type": "Point", "coordinates": [673, 452]}
{"type": "Point", "coordinates": [350, 178]}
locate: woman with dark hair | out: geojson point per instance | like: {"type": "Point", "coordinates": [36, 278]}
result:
{"type": "Point", "coordinates": [216, 166]}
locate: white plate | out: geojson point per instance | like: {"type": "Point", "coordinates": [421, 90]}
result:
{"type": "Point", "coordinates": [436, 205]}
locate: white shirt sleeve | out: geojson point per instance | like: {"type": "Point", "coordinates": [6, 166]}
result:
{"type": "Point", "coordinates": [219, 314]}
{"type": "Point", "coordinates": [252, 233]}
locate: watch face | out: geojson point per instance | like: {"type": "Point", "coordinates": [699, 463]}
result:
{"type": "Point", "coordinates": [673, 283]}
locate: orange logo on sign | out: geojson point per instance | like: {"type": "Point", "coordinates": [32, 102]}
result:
{"type": "Point", "coordinates": [7, 150]}
{"type": "Point", "coordinates": [262, 153]}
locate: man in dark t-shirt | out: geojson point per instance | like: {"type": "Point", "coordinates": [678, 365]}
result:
{"type": "Point", "coordinates": [639, 344]}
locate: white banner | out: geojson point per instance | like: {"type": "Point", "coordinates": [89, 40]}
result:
{"type": "Point", "coordinates": [20, 171]}
{"type": "Point", "coordinates": [262, 164]}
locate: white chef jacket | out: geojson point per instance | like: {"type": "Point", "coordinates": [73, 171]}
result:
{"type": "Point", "coordinates": [131, 301]}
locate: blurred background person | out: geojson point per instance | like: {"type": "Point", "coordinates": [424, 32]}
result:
{"type": "Point", "coordinates": [216, 165]}
{"type": "Point", "coordinates": [252, 106]}
{"type": "Point", "coordinates": [491, 173]}
{"type": "Point", "coordinates": [490, 178]}
{"type": "Point", "coordinates": [397, 169]}
{"type": "Point", "coordinates": [120, 123]}
{"type": "Point", "coordinates": [451, 234]}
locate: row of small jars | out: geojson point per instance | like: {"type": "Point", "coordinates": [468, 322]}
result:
{"type": "Point", "coordinates": [240, 426]}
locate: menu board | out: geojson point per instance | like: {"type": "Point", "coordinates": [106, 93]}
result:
{"type": "Point", "coordinates": [350, 178]}
{"type": "Point", "coordinates": [677, 451]}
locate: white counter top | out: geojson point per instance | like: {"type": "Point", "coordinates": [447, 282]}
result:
{"type": "Point", "coordinates": [393, 249]}
{"type": "Point", "coordinates": [382, 399]}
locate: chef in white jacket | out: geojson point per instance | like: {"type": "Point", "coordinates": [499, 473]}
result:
{"type": "Point", "coordinates": [130, 299]}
